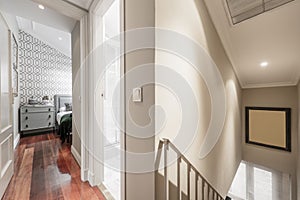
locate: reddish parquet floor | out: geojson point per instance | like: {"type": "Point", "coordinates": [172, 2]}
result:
{"type": "Point", "coordinates": [46, 170]}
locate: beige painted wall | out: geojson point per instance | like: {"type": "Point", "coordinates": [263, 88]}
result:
{"type": "Point", "coordinates": [271, 158]}
{"type": "Point", "coordinates": [76, 143]}
{"type": "Point", "coordinates": [191, 18]}
{"type": "Point", "coordinates": [138, 14]}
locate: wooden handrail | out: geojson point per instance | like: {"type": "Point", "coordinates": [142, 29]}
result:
{"type": "Point", "coordinates": [164, 145]}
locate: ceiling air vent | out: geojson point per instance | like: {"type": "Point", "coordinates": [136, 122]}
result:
{"type": "Point", "coordinates": [241, 10]}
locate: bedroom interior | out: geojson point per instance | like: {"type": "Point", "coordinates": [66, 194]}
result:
{"type": "Point", "coordinates": [44, 67]}
{"type": "Point", "coordinates": [45, 73]}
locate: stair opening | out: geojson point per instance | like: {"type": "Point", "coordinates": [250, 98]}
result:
{"type": "Point", "coordinates": [257, 182]}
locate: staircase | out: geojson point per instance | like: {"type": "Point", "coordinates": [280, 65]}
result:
{"type": "Point", "coordinates": [196, 188]}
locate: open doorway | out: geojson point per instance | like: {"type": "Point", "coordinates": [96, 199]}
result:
{"type": "Point", "coordinates": [44, 70]}
{"type": "Point", "coordinates": [108, 27]}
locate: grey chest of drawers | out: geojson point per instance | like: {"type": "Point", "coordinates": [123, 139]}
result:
{"type": "Point", "coordinates": [36, 118]}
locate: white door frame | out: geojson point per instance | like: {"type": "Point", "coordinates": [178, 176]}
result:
{"type": "Point", "coordinates": [84, 46]}
{"type": "Point", "coordinates": [95, 175]}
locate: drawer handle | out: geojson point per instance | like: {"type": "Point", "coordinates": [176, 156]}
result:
{"type": "Point", "coordinates": [49, 116]}
{"type": "Point", "coordinates": [26, 110]}
{"type": "Point", "coordinates": [49, 109]}
{"type": "Point", "coordinates": [49, 123]}
{"type": "Point", "coordinates": [26, 118]}
{"type": "Point", "coordinates": [26, 126]}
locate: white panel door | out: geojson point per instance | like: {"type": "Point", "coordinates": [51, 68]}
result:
{"type": "Point", "coordinates": [6, 131]}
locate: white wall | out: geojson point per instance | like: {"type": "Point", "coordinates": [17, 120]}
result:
{"type": "Point", "coordinates": [191, 19]}
{"type": "Point", "coordinates": [274, 159]}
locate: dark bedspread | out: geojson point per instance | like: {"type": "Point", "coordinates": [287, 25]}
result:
{"type": "Point", "coordinates": [65, 126]}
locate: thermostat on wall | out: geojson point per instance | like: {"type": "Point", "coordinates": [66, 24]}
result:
{"type": "Point", "coordinates": [137, 95]}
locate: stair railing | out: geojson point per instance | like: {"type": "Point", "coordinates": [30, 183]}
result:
{"type": "Point", "coordinates": [208, 192]}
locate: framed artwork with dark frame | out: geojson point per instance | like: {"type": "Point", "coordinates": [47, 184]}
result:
{"type": "Point", "coordinates": [269, 127]}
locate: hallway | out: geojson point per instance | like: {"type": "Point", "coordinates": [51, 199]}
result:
{"type": "Point", "coordinates": [45, 169]}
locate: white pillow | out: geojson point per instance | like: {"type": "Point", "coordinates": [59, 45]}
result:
{"type": "Point", "coordinates": [62, 109]}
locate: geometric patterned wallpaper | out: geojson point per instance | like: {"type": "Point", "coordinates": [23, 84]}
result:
{"type": "Point", "coordinates": [43, 70]}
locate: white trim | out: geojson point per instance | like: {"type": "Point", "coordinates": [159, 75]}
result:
{"type": "Point", "coordinates": [6, 139]}
{"type": "Point", "coordinates": [6, 129]}
{"type": "Point", "coordinates": [16, 141]}
{"type": "Point", "coordinates": [95, 169]}
{"type": "Point", "coordinates": [92, 179]}
{"type": "Point", "coordinates": [90, 101]}
{"type": "Point", "coordinates": [85, 173]}
{"type": "Point", "coordinates": [84, 97]}
{"type": "Point", "coordinates": [76, 155]}
{"type": "Point", "coordinates": [265, 85]}
{"type": "Point", "coordinates": [105, 192]}
{"type": "Point", "coordinates": [6, 177]}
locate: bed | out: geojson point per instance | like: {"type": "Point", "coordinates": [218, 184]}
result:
{"type": "Point", "coordinates": [63, 117]}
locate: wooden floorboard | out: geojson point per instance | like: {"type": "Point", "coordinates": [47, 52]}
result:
{"type": "Point", "coordinates": [23, 179]}
{"type": "Point", "coordinates": [37, 187]}
{"type": "Point", "coordinates": [46, 170]}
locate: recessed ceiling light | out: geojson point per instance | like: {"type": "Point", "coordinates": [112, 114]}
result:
{"type": "Point", "coordinates": [60, 38]}
{"type": "Point", "coordinates": [264, 64]}
{"type": "Point", "coordinates": [41, 7]}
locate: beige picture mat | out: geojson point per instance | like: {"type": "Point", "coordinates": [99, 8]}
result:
{"type": "Point", "coordinates": [267, 127]}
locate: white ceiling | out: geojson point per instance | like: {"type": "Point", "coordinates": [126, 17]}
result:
{"type": "Point", "coordinates": [49, 35]}
{"type": "Point", "coordinates": [273, 36]}
{"type": "Point", "coordinates": [46, 25]}
{"type": "Point", "coordinates": [82, 3]}
{"type": "Point", "coordinates": [29, 10]}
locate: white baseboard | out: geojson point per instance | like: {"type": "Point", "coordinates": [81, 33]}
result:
{"type": "Point", "coordinates": [76, 155]}
{"type": "Point", "coordinates": [105, 192]}
{"type": "Point", "coordinates": [84, 175]}
{"type": "Point", "coordinates": [16, 141]}
{"type": "Point", "coordinates": [91, 179]}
